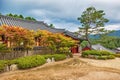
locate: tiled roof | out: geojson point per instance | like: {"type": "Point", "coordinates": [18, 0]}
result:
{"type": "Point", "coordinates": [33, 25]}
{"type": "Point", "coordinates": [71, 34]}
{"type": "Point", "coordinates": [100, 47]}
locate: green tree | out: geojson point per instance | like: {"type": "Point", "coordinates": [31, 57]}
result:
{"type": "Point", "coordinates": [91, 21]}
{"type": "Point", "coordinates": [110, 42]}
{"type": "Point", "coordinates": [30, 18]}
{"type": "Point", "coordinates": [16, 16]}
{"type": "Point", "coordinates": [84, 44]}
{"type": "Point", "coordinates": [33, 19]}
{"type": "Point", "coordinates": [11, 15]}
{"type": "Point", "coordinates": [21, 16]}
{"type": "Point", "coordinates": [52, 26]}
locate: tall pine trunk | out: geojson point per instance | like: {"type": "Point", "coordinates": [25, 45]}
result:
{"type": "Point", "coordinates": [87, 38]}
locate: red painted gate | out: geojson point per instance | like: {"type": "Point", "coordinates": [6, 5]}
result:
{"type": "Point", "coordinates": [74, 49]}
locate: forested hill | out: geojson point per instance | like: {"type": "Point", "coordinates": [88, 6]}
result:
{"type": "Point", "coordinates": [111, 41]}
{"type": "Point", "coordinates": [115, 33]}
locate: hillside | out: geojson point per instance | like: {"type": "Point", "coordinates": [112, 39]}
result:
{"type": "Point", "coordinates": [115, 33]}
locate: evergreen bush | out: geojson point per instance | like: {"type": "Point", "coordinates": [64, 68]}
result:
{"type": "Point", "coordinates": [57, 57]}
{"type": "Point", "coordinates": [96, 54]}
{"type": "Point", "coordinates": [30, 61]}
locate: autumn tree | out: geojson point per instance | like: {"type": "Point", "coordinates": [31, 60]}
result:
{"type": "Point", "coordinates": [54, 41]}
{"type": "Point", "coordinates": [92, 21]}
{"type": "Point", "coordinates": [17, 36]}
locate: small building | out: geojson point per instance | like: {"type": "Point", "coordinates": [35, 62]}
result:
{"type": "Point", "coordinates": [117, 50]}
{"type": "Point", "coordinates": [86, 48]}
{"type": "Point", "coordinates": [100, 47]}
{"type": "Point", "coordinates": [97, 47]}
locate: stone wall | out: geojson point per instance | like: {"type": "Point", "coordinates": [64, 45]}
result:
{"type": "Point", "coordinates": [17, 54]}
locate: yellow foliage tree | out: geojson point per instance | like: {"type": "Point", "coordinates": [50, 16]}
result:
{"type": "Point", "coordinates": [54, 40]}
{"type": "Point", "coordinates": [17, 35]}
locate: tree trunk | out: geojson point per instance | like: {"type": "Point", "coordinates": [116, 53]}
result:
{"type": "Point", "coordinates": [87, 38]}
{"type": "Point", "coordinates": [89, 42]}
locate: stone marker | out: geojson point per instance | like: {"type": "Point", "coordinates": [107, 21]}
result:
{"type": "Point", "coordinates": [53, 60]}
{"type": "Point", "coordinates": [13, 67]}
{"type": "Point", "coordinates": [48, 60]}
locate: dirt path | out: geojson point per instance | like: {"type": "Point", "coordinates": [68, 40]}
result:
{"type": "Point", "coordinates": [70, 69]}
{"type": "Point", "coordinates": [113, 63]}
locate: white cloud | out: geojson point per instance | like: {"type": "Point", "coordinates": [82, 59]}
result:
{"type": "Point", "coordinates": [69, 8]}
{"type": "Point", "coordinates": [37, 12]}
{"type": "Point", "coordinates": [66, 10]}
{"type": "Point", "coordinates": [113, 27]}
{"type": "Point", "coordinates": [68, 26]}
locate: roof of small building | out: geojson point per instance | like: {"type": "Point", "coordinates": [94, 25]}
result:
{"type": "Point", "coordinates": [33, 25]}
{"type": "Point", "coordinates": [118, 48]}
{"type": "Point", "coordinates": [100, 47]}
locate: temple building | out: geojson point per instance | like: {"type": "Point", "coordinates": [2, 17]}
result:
{"type": "Point", "coordinates": [35, 25]}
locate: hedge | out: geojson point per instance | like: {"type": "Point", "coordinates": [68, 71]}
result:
{"type": "Point", "coordinates": [57, 57]}
{"type": "Point", "coordinates": [117, 55]}
{"type": "Point", "coordinates": [96, 54]}
{"type": "Point", "coordinates": [30, 61]}
{"type": "Point", "coordinates": [105, 53]}
{"type": "Point", "coordinates": [90, 52]}
{"type": "Point", "coordinates": [2, 65]}
{"type": "Point", "coordinates": [106, 57]}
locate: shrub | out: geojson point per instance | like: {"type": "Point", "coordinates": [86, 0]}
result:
{"type": "Point", "coordinates": [105, 53]}
{"type": "Point", "coordinates": [102, 57]}
{"type": "Point", "coordinates": [4, 49]}
{"type": "Point", "coordinates": [3, 46]}
{"type": "Point", "coordinates": [117, 55]}
{"type": "Point", "coordinates": [111, 57]}
{"type": "Point", "coordinates": [106, 57]}
{"type": "Point", "coordinates": [57, 57]}
{"type": "Point", "coordinates": [98, 54]}
{"type": "Point", "coordinates": [2, 65]}
{"type": "Point", "coordinates": [69, 54]}
{"type": "Point", "coordinates": [48, 56]}
{"type": "Point", "coordinates": [90, 52]}
{"type": "Point", "coordinates": [117, 52]}
{"type": "Point", "coordinates": [85, 53]}
{"type": "Point", "coordinates": [65, 50]}
{"type": "Point", "coordinates": [30, 61]}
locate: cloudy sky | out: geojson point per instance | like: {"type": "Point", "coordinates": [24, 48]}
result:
{"type": "Point", "coordinates": [63, 13]}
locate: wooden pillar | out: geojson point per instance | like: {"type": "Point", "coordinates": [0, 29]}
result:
{"type": "Point", "coordinates": [8, 43]}
{"type": "Point", "coordinates": [37, 43]}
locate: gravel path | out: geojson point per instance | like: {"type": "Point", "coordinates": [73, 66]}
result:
{"type": "Point", "coordinates": [113, 63]}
